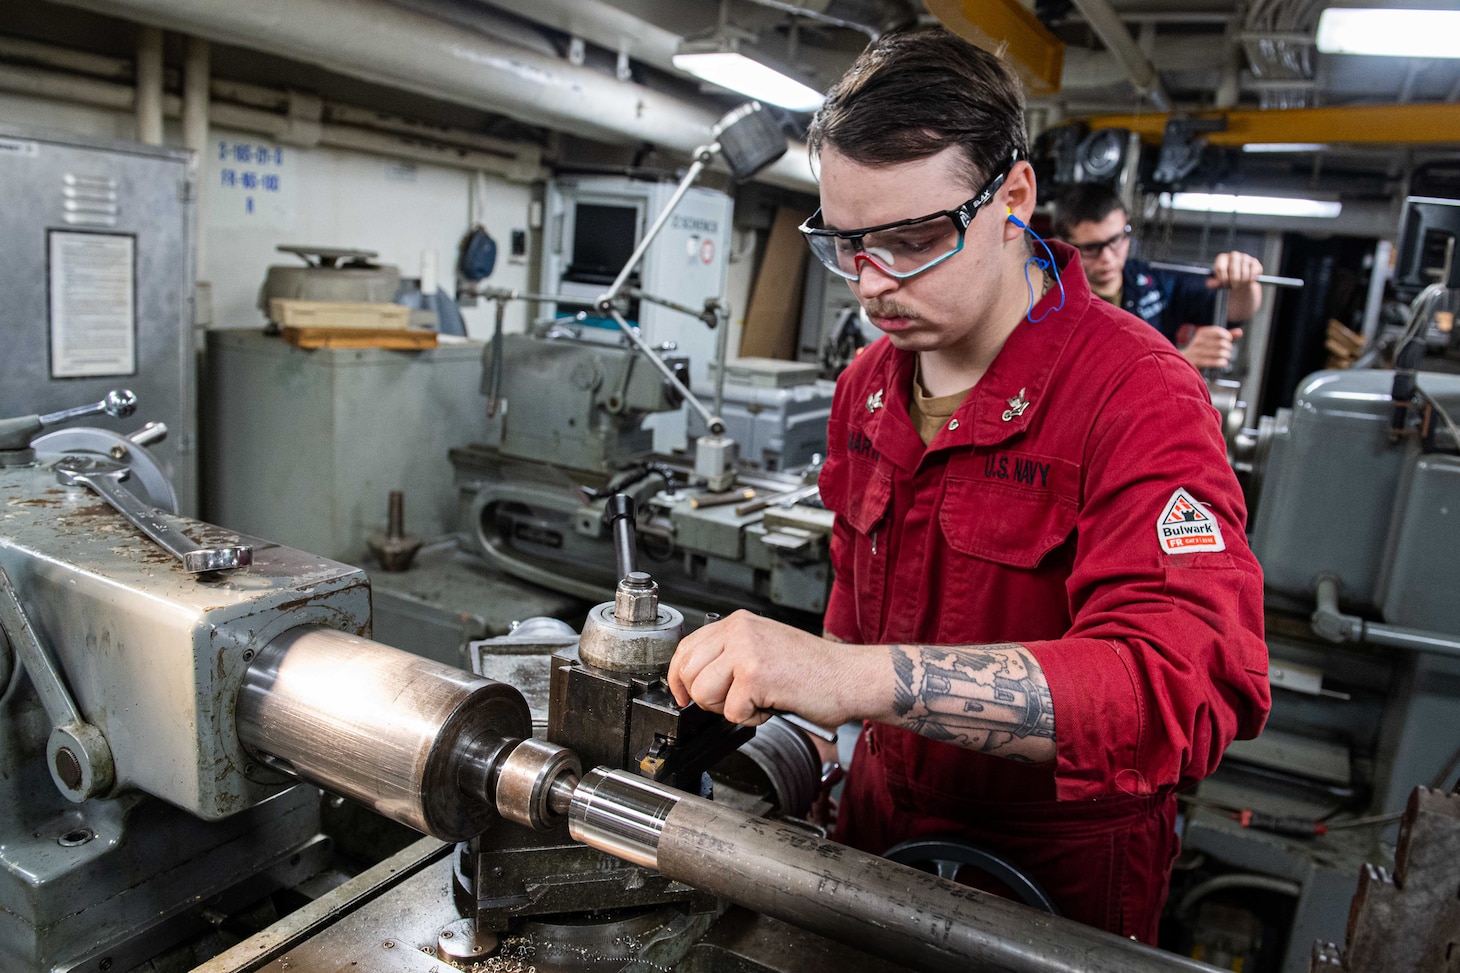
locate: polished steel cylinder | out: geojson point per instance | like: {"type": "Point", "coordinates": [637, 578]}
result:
{"type": "Point", "coordinates": [621, 814]}
{"type": "Point", "coordinates": [883, 908]}
{"type": "Point", "coordinates": [414, 740]}
{"type": "Point", "coordinates": [525, 779]}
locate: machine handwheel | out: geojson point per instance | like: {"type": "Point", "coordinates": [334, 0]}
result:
{"type": "Point", "coordinates": [945, 856]}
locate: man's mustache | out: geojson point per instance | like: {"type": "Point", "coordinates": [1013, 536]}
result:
{"type": "Point", "coordinates": [887, 309]}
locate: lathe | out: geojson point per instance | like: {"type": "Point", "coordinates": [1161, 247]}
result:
{"type": "Point", "coordinates": [169, 684]}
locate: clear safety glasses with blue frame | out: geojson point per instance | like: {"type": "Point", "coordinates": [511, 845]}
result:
{"type": "Point", "coordinates": [901, 249]}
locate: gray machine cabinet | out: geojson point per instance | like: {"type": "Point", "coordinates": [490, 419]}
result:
{"type": "Point", "coordinates": [1341, 498]}
{"type": "Point", "coordinates": [304, 447]}
{"type": "Point", "coordinates": [776, 410]}
{"type": "Point", "coordinates": [1423, 547]}
{"type": "Point", "coordinates": [1328, 495]}
{"type": "Point", "coordinates": [132, 200]}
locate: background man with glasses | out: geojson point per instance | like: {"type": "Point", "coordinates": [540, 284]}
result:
{"type": "Point", "coordinates": [1092, 219]}
{"type": "Point", "coordinates": [1044, 607]}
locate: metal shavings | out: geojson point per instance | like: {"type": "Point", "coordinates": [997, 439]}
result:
{"type": "Point", "coordinates": [499, 964]}
{"type": "Point", "coordinates": [515, 956]}
{"type": "Point", "coordinates": [519, 947]}
{"type": "Point", "coordinates": [517, 952]}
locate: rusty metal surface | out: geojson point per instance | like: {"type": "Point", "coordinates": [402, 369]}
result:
{"type": "Point", "coordinates": [511, 874]}
{"type": "Point", "coordinates": [389, 920]}
{"type": "Point", "coordinates": [289, 943]}
{"type": "Point", "coordinates": [1408, 920]}
{"type": "Point", "coordinates": [384, 925]}
{"type": "Point", "coordinates": [152, 655]}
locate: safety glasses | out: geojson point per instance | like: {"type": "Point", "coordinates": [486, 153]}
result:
{"type": "Point", "coordinates": [1093, 249]}
{"type": "Point", "coordinates": [902, 249]}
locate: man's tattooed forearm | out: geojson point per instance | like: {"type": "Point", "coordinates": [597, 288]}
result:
{"type": "Point", "coordinates": [903, 699]}
{"type": "Point", "coordinates": [981, 697]}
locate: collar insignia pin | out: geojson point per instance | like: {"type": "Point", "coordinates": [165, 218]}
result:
{"type": "Point", "coordinates": [1017, 405]}
{"type": "Point", "coordinates": [874, 401]}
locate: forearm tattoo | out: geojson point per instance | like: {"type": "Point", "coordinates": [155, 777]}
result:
{"type": "Point", "coordinates": [986, 697]}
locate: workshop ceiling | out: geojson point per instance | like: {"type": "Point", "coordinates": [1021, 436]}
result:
{"type": "Point", "coordinates": [1131, 61]}
{"type": "Point", "coordinates": [602, 70]}
{"type": "Point", "coordinates": [1262, 46]}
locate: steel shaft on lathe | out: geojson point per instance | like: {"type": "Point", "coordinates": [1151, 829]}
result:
{"type": "Point", "coordinates": [417, 741]}
{"type": "Point", "coordinates": [882, 907]}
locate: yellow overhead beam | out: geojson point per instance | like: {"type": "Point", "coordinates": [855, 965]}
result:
{"type": "Point", "coordinates": [1410, 124]}
{"type": "Point", "coordinates": [1009, 30]}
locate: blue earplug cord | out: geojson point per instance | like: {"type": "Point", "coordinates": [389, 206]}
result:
{"type": "Point", "coordinates": [1043, 265]}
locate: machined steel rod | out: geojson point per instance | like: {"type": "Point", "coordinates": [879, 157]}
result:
{"type": "Point", "coordinates": [714, 423]}
{"type": "Point", "coordinates": [722, 344]}
{"type": "Point", "coordinates": [884, 908]}
{"type": "Point", "coordinates": [705, 314]}
{"type": "Point", "coordinates": [1207, 272]}
{"type": "Point", "coordinates": [510, 294]}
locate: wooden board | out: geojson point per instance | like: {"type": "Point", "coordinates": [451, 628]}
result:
{"type": "Point", "coordinates": [289, 313]}
{"type": "Point", "coordinates": [774, 318]}
{"type": "Point", "coordinates": [391, 338]}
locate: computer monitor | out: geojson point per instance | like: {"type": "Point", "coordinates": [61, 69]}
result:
{"type": "Point", "coordinates": [1428, 235]}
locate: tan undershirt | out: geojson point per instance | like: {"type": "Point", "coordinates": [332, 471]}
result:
{"type": "Point", "coordinates": [1112, 299]}
{"type": "Point", "coordinates": [930, 413]}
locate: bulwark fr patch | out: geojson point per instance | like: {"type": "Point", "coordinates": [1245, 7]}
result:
{"type": "Point", "coordinates": [1186, 527]}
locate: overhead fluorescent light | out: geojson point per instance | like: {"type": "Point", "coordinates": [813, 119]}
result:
{"type": "Point", "coordinates": [1284, 147]}
{"type": "Point", "coordinates": [1389, 32]}
{"type": "Point", "coordinates": [1253, 205]}
{"type": "Point", "coordinates": [720, 65]}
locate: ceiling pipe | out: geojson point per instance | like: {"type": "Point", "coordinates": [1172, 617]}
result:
{"type": "Point", "coordinates": [871, 17]}
{"type": "Point", "coordinates": [40, 83]}
{"type": "Point", "coordinates": [47, 55]}
{"type": "Point", "coordinates": [506, 24]}
{"type": "Point", "coordinates": [811, 13]}
{"type": "Point", "coordinates": [149, 86]}
{"type": "Point", "coordinates": [1106, 23]}
{"type": "Point", "coordinates": [197, 72]}
{"type": "Point", "coordinates": [53, 85]}
{"type": "Point", "coordinates": [606, 26]}
{"type": "Point", "coordinates": [378, 42]}
{"type": "Point", "coordinates": [1229, 88]}
{"type": "Point", "coordinates": [70, 76]}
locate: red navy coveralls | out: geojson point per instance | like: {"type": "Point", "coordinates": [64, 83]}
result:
{"type": "Point", "coordinates": [1033, 518]}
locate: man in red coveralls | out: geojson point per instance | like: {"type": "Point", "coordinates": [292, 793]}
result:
{"type": "Point", "coordinates": [1051, 617]}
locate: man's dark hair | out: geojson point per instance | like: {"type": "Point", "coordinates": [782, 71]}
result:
{"type": "Point", "coordinates": [1083, 202]}
{"type": "Point", "coordinates": [911, 95]}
